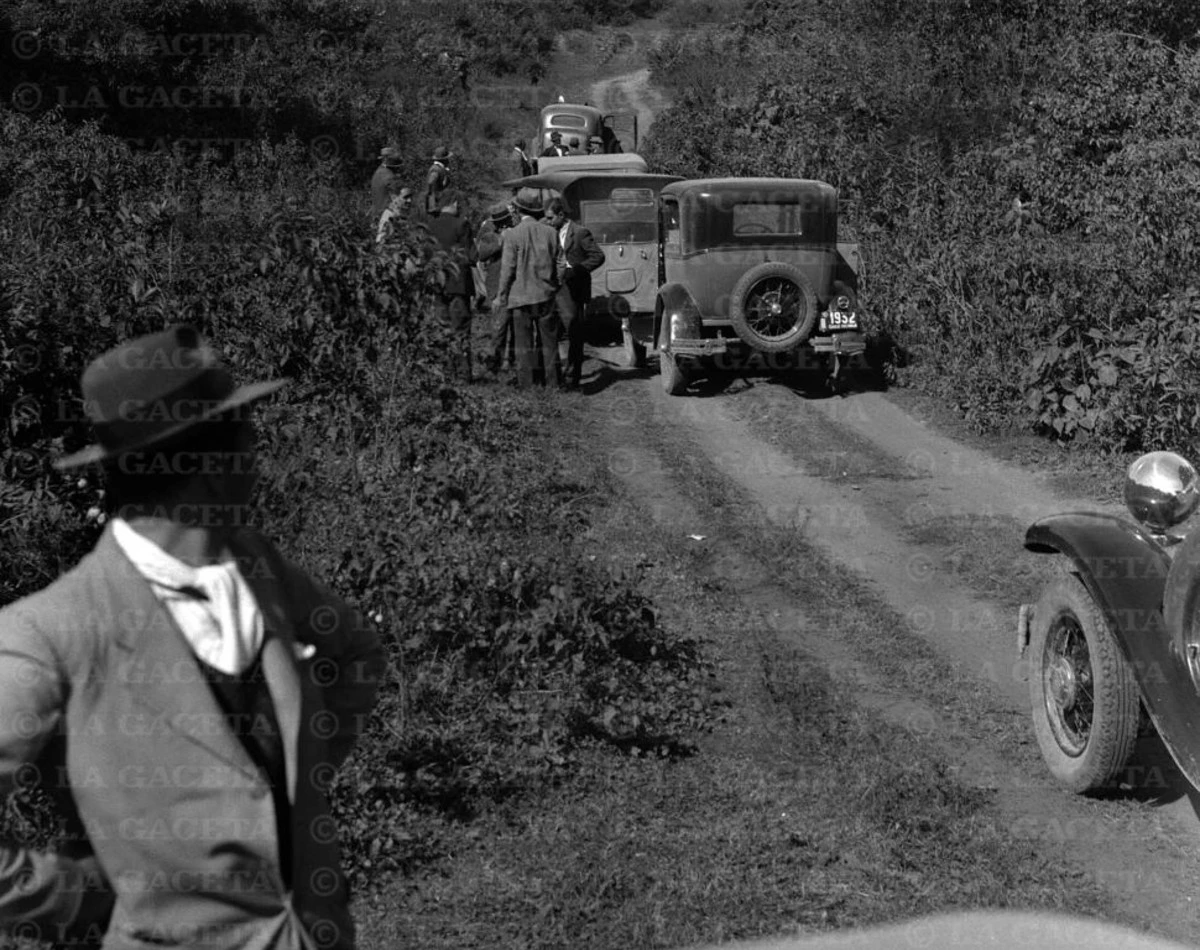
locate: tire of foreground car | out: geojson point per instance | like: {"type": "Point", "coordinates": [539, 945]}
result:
{"type": "Point", "coordinates": [794, 327]}
{"type": "Point", "coordinates": [1085, 701]}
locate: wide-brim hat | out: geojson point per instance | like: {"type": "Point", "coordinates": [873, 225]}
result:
{"type": "Point", "coordinates": [528, 200]}
{"type": "Point", "coordinates": [154, 388]}
{"type": "Point", "coordinates": [390, 156]}
{"type": "Point", "coordinates": [500, 213]}
{"type": "Point", "coordinates": [441, 153]}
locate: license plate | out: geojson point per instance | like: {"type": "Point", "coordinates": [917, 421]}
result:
{"type": "Point", "coordinates": [842, 320]}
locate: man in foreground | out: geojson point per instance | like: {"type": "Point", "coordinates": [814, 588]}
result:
{"type": "Point", "coordinates": [185, 693]}
{"type": "Point", "coordinates": [528, 283]}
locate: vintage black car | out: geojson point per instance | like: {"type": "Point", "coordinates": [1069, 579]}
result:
{"type": "Point", "coordinates": [751, 275]}
{"type": "Point", "coordinates": [1117, 631]}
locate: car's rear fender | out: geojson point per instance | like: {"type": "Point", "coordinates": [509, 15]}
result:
{"type": "Point", "coordinates": [675, 300]}
{"type": "Point", "coordinates": [1125, 571]}
{"type": "Point", "coordinates": [849, 265]}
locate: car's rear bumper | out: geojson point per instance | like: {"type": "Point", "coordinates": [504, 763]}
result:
{"type": "Point", "coordinates": [845, 344]}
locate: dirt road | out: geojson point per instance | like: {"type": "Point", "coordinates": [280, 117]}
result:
{"type": "Point", "coordinates": [931, 529]}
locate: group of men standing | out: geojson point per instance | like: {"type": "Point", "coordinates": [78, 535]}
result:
{"type": "Point", "coordinates": [524, 164]}
{"type": "Point", "coordinates": [536, 269]}
{"type": "Point", "coordinates": [543, 281]}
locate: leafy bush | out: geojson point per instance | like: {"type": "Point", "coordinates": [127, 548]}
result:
{"type": "Point", "coordinates": [1025, 201]}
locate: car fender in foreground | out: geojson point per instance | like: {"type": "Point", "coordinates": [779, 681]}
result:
{"type": "Point", "coordinates": [1125, 571]}
{"type": "Point", "coordinates": [675, 301]}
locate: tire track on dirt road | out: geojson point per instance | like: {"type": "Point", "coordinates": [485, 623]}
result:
{"type": "Point", "coordinates": [848, 482]}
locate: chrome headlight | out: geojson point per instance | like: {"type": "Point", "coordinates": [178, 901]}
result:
{"type": "Point", "coordinates": [1161, 490]}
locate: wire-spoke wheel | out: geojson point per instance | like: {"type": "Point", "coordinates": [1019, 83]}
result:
{"type": "Point", "coordinates": [774, 307]}
{"type": "Point", "coordinates": [1084, 696]}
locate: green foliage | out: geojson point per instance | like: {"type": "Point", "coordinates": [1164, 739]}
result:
{"type": "Point", "coordinates": [1025, 200]}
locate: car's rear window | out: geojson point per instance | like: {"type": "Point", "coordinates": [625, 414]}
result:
{"type": "Point", "coordinates": [725, 220]}
{"type": "Point", "coordinates": [751, 219]}
{"type": "Point", "coordinates": [627, 216]}
{"type": "Point", "coordinates": [567, 120]}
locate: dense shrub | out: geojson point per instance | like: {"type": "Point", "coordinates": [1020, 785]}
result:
{"type": "Point", "coordinates": [1025, 200]}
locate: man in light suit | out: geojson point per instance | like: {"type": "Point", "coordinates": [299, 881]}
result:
{"type": "Point", "coordinates": [527, 285]}
{"type": "Point", "coordinates": [578, 256]}
{"type": "Point", "coordinates": [184, 693]}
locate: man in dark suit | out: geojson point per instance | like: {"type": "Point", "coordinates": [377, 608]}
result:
{"type": "Point", "coordinates": [555, 149]}
{"type": "Point", "coordinates": [453, 305]}
{"type": "Point", "coordinates": [578, 256]}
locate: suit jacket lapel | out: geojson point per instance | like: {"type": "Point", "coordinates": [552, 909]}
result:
{"type": "Point", "coordinates": [156, 664]}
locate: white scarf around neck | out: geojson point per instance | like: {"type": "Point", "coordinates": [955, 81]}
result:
{"type": "Point", "coordinates": [212, 605]}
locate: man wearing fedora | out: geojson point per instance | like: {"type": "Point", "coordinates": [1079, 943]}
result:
{"type": "Point", "coordinates": [528, 282]}
{"type": "Point", "coordinates": [384, 182]}
{"type": "Point", "coordinates": [437, 179]}
{"type": "Point", "coordinates": [185, 693]}
{"type": "Point", "coordinates": [555, 149]}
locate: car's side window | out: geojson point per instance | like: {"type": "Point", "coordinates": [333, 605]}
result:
{"type": "Point", "coordinates": [670, 224]}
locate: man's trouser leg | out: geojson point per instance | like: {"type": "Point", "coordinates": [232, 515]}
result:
{"type": "Point", "coordinates": [548, 325]}
{"type": "Point", "coordinates": [571, 315]}
{"type": "Point", "coordinates": [523, 319]}
{"type": "Point", "coordinates": [502, 323]}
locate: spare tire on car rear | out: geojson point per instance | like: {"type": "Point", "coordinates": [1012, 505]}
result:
{"type": "Point", "coordinates": [773, 307]}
